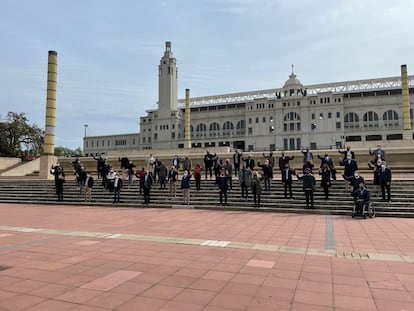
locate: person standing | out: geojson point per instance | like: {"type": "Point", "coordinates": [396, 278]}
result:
{"type": "Point", "coordinates": [157, 164]}
{"type": "Point", "coordinates": [222, 183]}
{"type": "Point", "coordinates": [117, 188]}
{"type": "Point", "coordinates": [187, 165]}
{"type": "Point", "coordinates": [346, 152]}
{"type": "Point", "coordinates": [309, 183]}
{"type": "Point", "coordinates": [267, 174]}
{"type": "Point", "coordinates": [124, 166]}
{"type": "Point", "coordinates": [197, 176]}
{"type": "Point", "coordinates": [185, 186]}
{"type": "Point", "coordinates": [325, 173]}
{"type": "Point", "coordinates": [99, 165]}
{"type": "Point", "coordinates": [147, 187]}
{"type": "Point", "coordinates": [271, 160]}
{"type": "Point", "coordinates": [245, 176]}
{"type": "Point", "coordinates": [287, 180]}
{"type": "Point", "coordinates": [130, 168]}
{"type": "Point", "coordinates": [350, 166]}
{"type": "Point", "coordinates": [228, 168]}
{"type": "Point", "coordinates": [140, 175]}
{"type": "Point", "coordinates": [236, 161]}
{"type": "Point", "coordinates": [385, 181]}
{"type": "Point", "coordinates": [326, 159]}
{"type": "Point", "coordinates": [249, 162]}
{"type": "Point", "coordinates": [208, 163]}
{"type": "Point", "coordinates": [172, 179]}
{"type": "Point", "coordinates": [88, 187]}
{"type": "Point", "coordinates": [307, 155]}
{"type": "Point", "coordinates": [59, 174]}
{"type": "Point", "coordinates": [218, 165]}
{"type": "Point", "coordinates": [162, 175]}
{"type": "Point", "coordinates": [256, 189]}
{"type": "Point", "coordinates": [176, 162]}
{"type": "Point", "coordinates": [283, 160]}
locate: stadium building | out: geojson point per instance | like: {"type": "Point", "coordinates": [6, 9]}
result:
{"type": "Point", "coordinates": [321, 116]}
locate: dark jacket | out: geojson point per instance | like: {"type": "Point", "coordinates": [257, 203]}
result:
{"type": "Point", "coordinates": [89, 182]}
{"type": "Point", "coordinates": [222, 183]}
{"type": "Point", "coordinates": [147, 181]}
{"type": "Point", "coordinates": [287, 178]}
{"type": "Point", "coordinates": [249, 163]}
{"type": "Point", "coordinates": [349, 167]}
{"type": "Point", "coordinates": [309, 182]}
{"type": "Point", "coordinates": [384, 176]}
{"type": "Point", "coordinates": [284, 160]}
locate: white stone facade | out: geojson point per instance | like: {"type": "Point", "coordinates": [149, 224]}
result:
{"type": "Point", "coordinates": [317, 116]}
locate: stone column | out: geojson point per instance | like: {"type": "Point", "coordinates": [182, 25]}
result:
{"type": "Point", "coordinates": [187, 119]}
{"type": "Point", "coordinates": [48, 158]}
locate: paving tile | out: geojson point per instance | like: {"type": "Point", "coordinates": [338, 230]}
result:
{"type": "Point", "coordinates": [162, 292]}
{"type": "Point", "coordinates": [53, 305]}
{"type": "Point", "coordinates": [177, 305]}
{"type": "Point", "coordinates": [218, 275]}
{"type": "Point", "coordinates": [20, 302]}
{"type": "Point", "coordinates": [142, 304]}
{"type": "Point", "coordinates": [51, 290]}
{"type": "Point", "coordinates": [194, 296]}
{"type": "Point", "coordinates": [112, 280]}
{"type": "Point", "coordinates": [231, 301]}
{"type": "Point", "coordinates": [109, 300]}
{"type": "Point", "coordinates": [390, 305]}
{"type": "Point", "coordinates": [354, 303]}
{"type": "Point", "coordinates": [78, 295]}
{"type": "Point", "coordinates": [391, 294]}
{"type": "Point", "coordinates": [208, 285]}
{"type": "Point", "coordinates": [260, 263]}
{"type": "Point", "coordinates": [313, 298]}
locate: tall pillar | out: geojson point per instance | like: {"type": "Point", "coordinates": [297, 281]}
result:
{"type": "Point", "coordinates": [47, 158]}
{"type": "Point", "coordinates": [405, 98]}
{"type": "Point", "coordinates": [187, 119]}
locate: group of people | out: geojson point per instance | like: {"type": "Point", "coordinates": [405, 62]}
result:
{"type": "Point", "coordinates": [241, 168]}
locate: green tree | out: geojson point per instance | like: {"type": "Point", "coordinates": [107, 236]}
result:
{"type": "Point", "coordinates": [17, 136]}
{"type": "Point", "coordinates": [66, 152]}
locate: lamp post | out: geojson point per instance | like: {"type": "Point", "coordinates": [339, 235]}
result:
{"type": "Point", "coordinates": [85, 126]}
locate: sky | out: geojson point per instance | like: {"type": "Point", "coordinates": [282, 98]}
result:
{"type": "Point", "coordinates": [109, 52]}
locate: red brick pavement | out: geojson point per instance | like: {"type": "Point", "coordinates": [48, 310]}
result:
{"type": "Point", "coordinates": [85, 263]}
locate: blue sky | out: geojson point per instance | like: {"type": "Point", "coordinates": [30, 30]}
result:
{"type": "Point", "coordinates": [109, 52]}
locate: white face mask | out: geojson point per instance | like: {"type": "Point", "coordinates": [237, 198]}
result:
{"type": "Point", "coordinates": [383, 166]}
{"type": "Point", "coordinates": [356, 175]}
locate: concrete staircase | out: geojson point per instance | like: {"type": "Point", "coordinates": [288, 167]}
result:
{"type": "Point", "coordinates": [339, 203]}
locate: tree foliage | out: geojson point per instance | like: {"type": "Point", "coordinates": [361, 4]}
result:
{"type": "Point", "coordinates": [66, 152]}
{"type": "Point", "coordinates": [18, 137]}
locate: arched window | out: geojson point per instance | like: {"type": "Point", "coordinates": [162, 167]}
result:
{"type": "Point", "coordinates": [390, 118]}
{"type": "Point", "coordinates": [214, 129]}
{"type": "Point", "coordinates": [371, 119]}
{"type": "Point", "coordinates": [351, 120]}
{"type": "Point", "coordinates": [241, 127]}
{"type": "Point", "coordinates": [228, 128]}
{"type": "Point", "coordinates": [291, 122]}
{"type": "Point", "coordinates": [201, 130]}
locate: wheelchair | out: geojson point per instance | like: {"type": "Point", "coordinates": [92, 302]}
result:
{"type": "Point", "coordinates": [368, 209]}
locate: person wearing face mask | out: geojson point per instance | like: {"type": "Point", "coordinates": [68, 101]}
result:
{"type": "Point", "coordinates": [88, 187]}
{"type": "Point", "coordinates": [346, 152]}
{"type": "Point", "coordinates": [350, 166]}
{"type": "Point", "coordinates": [362, 197]}
{"type": "Point", "coordinates": [354, 182]}
{"type": "Point", "coordinates": [385, 181]}
{"type": "Point", "coordinates": [309, 183]}
{"type": "Point", "coordinates": [185, 186]}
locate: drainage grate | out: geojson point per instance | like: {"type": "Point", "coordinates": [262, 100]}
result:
{"type": "Point", "coordinates": [4, 268]}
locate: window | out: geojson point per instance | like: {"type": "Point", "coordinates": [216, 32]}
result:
{"type": "Point", "coordinates": [291, 122]}
{"type": "Point", "coordinates": [257, 120]}
{"type": "Point", "coordinates": [329, 115]}
{"type": "Point", "coordinates": [351, 120]}
{"type": "Point", "coordinates": [313, 116]}
{"type": "Point", "coordinates": [338, 114]}
{"type": "Point", "coordinates": [264, 119]}
{"type": "Point", "coordinates": [172, 134]}
{"type": "Point", "coordinates": [241, 126]}
{"type": "Point", "coordinates": [250, 131]}
{"type": "Point", "coordinates": [250, 120]}
{"type": "Point", "coordinates": [371, 119]}
{"type": "Point", "coordinates": [390, 118]}
{"type": "Point", "coordinates": [155, 137]}
{"type": "Point", "coordinates": [338, 125]}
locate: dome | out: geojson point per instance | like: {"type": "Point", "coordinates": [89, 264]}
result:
{"type": "Point", "coordinates": [292, 83]}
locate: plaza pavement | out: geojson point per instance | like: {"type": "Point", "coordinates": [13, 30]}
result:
{"type": "Point", "coordinates": [91, 258]}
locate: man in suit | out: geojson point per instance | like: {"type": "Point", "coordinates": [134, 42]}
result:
{"type": "Point", "coordinates": [236, 161]}
{"type": "Point", "coordinates": [222, 183]}
{"type": "Point", "coordinates": [249, 162]}
{"type": "Point", "coordinates": [88, 187]}
{"type": "Point", "coordinates": [326, 159]}
{"type": "Point", "coordinates": [309, 183]}
{"type": "Point", "coordinates": [307, 155]}
{"type": "Point", "coordinates": [287, 179]}
{"type": "Point", "coordinates": [346, 152]}
{"type": "Point", "coordinates": [385, 181]}
{"type": "Point", "coordinates": [283, 160]}
{"type": "Point", "coordinates": [350, 166]}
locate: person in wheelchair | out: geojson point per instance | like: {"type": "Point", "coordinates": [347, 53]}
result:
{"type": "Point", "coordinates": [362, 199]}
